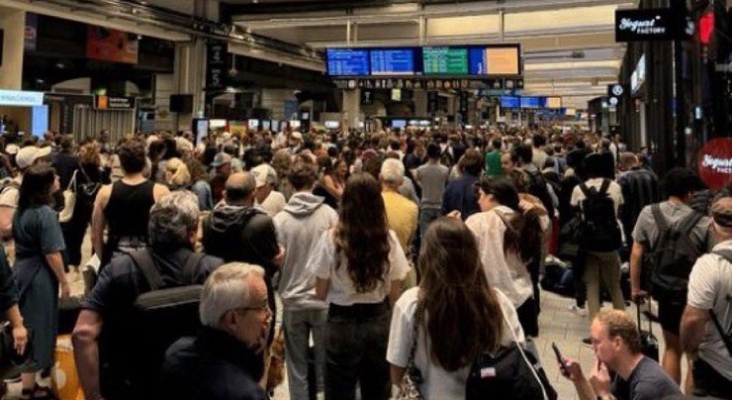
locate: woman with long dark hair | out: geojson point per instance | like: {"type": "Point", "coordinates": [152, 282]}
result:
{"type": "Point", "coordinates": [358, 266]}
{"type": "Point", "coordinates": [509, 236]}
{"type": "Point", "coordinates": [39, 270]}
{"type": "Point", "coordinates": [453, 293]}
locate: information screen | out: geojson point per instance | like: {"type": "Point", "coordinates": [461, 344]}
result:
{"type": "Point", "coordinates": [553, 102]}
{"type": "Point", "coordinates": [529, 102]}
{"type": "Point", "coordinates": [445, 60]}
{"type": "Point", "coordinates": [510, 102]}
{"type": "Point", "coordinates": [494, 60]}
{"type": "Point", "coordinates": [399, 61]}
{"type": "Point", "coordinates": [399, 123]}
{"type": "Point", "coordinates": [347, 62]}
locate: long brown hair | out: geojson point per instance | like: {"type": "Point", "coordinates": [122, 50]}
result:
{"type": "Point", "coordinates": [456, 306]}
{"type": "Point", "coordinates": [523, 232]}
{"type": "Point", "coordinates": [362, 234]}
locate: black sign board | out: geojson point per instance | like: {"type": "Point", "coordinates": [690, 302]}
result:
{"type": "Point", "coordinates": [216, 74]}
{"type": "Point", "coordinates": [367, 97]}
{"type": "Point", "coordinates": [68, 103]}
{"type": "Point", "coordinates": [432, 100]}
{"type": "Point", "coordinates": [647, 25]}
{"type": "Point", "coordinates": [463, 102]}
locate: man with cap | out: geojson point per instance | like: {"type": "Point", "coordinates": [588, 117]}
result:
{"type": "Point", "coordinates": [296, 142]}
{"type": "Point", "coordinates": [221, 170]}
{"type": "Point", "coordinates": [266, 198]}
{"type": "Point", "coordinates": [10, 188]}
{"type": "Point", "coordinates": [707, 318]}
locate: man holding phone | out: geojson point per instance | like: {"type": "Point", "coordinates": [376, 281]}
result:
{"type": "Point", "coordinates": [616, 343]}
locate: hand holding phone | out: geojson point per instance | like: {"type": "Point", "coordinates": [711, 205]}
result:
{"type": "Point", "coordinates": [562, 366]}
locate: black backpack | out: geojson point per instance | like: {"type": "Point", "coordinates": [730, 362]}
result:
{"type": "Point", "coordinates": [673, 255]}
{"type": "Point", "coordinates": [162, 316]}
{"type": "Point", "coordinates": [600, 230]}
{"type": "Point", "coordinates": [538, 188]}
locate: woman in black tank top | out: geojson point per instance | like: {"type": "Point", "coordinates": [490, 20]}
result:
{"type": "Point", "coordinates": [127, 214]}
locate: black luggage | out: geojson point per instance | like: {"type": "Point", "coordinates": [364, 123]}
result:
{"type": "Point", "coordinates": [649, 343]}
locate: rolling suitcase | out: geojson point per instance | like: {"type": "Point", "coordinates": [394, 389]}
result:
{"type": "Point", "coordinates": [649, 343]}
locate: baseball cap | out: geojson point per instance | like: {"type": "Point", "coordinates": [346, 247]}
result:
{"type": "Point", "coordinates": [29, 154]}
{"type": "Point", "coordinates": [264, 174]}
{"type": "Point", "coordinates": [296, 135]}
{"type": "Point", "coordinates": [12, 149]}
{"type": "Point", "coordinates": [221, 159]}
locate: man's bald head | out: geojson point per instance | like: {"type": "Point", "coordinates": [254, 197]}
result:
{"type": "Point", "coordinates": [240, 186]}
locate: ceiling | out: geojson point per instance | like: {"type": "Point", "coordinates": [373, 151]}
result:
{"type": "Point", "coordinates": [569, 46]}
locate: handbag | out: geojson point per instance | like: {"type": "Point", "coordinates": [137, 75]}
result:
{"type": "Point", "coordinates": [12, 363]}
{"type": "Point", "coordinates": [508, 373]}
{"type": "Point", "coordinates": [408, 389]}
{"type": "Point", "coordinates": [69, 201]}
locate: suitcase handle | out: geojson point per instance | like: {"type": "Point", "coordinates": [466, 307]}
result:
{"type": "Point", "coordinates": [638, 313]}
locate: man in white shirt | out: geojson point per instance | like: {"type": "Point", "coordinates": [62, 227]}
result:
{"type": "Point", "coordinates": [269, 200]}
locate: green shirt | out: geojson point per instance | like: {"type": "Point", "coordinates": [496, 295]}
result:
{"type": "Point", "coordinates": [493, 163]}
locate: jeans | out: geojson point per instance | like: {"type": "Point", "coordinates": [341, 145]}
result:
{"type": "Point", "coordinates": [299, 324]}
{"type": "Point", "coordinates": [426, 216]}
{"type": "Point", "coordinates": [356, 341]}
{"type": "Point", "coordinates": [602, 268]}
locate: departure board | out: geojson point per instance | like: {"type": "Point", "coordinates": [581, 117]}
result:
{"type": "Point", "coordinates": [348, 62]}
{"type": "Point", "coordinates": [495, 60]}
{"type": "Point", "coordinates": [445, 60]}
{"type": "Point", "coordinates": [398, 61]}
{"type": "Point", "coordinates": [510, 102]}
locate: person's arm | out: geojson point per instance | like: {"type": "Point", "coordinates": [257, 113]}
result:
{"type": "Point", "coordinates": [636, 265]}
{"type": "Point", "coordinates": [159, 191]}
{"type": "Point", "coordinates": [56, 261]}
{"type": "Point", "coordinates": [86, 352]}
{"type": "Point", "coordinates": [395, 291]}
{"type": "Point", "coordinates": [321, 288]}
{"type": "Point", "coordinates": [20, 334]}
{"type": "Point", "coordinates": [329, 185]}
{"type": "Point", "coordinates": [581, 384]}
{"type": "Point", "coordinates": [693, 328]}
{"type": "Point", "coordinates": [397, 373]}
{"type": "Point", "coordinates": [99, 222]}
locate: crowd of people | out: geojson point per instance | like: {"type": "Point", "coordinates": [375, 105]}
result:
{"type": "Point", "coordinates": [401, 260]}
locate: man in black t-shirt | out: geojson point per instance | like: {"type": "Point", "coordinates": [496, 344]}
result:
{"type": "Point", "coordinates": [617, 345]}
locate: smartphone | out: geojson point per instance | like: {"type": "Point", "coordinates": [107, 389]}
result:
{"type": "Point", "coordinates": [560, 360]}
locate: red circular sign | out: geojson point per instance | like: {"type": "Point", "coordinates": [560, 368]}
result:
{"type": "Point", "coordinates": [715, 162]}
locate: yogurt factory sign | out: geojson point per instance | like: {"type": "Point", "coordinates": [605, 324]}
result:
{"type": "Point", "coordinates": [715, 162]}
{"type": "Point", "coordinates": [644, 25]}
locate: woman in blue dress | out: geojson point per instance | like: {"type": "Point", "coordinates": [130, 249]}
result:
{"type": "Point", "coordinates": [39, 271]}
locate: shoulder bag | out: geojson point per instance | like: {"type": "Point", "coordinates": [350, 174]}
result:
{"type": "Point", "coordinates": [69, 201]}
{"type": "Point", "coordinates": [408, 387]}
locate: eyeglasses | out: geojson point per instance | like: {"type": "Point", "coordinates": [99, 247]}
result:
{"type": "Point", "coordinates": [263, 308]}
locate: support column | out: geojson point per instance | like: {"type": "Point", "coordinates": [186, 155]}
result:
{"type": "Point", "coordinates": [420, 103]}
{"type": "Point", "coordinates": [189, 77]}
{"type": "Point", "coordinates": [351, 108]}
{"type": "Point", "coordinates": [12, 23]}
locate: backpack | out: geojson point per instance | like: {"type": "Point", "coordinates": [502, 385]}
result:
{"type": "Point", "coordinates": [725, 334]}
{"type": "Point", "coordinates": [600, 230]}
{"type": "Point", "coordinates": [538, 188]}
{"type": "Point", "coordinates": [558, 279]}
{"type": "Point", "coordinates": [162, 316]}
{"type": "Point", "coordinates": [673, 255]}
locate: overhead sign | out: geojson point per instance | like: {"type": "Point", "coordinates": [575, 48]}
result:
{"type": "Point", "coordinates": [114, 103]}
{"type": "Point", "coordinates": [715, 162]}
{"type": "Point", "coordinates": [615, 90]}
{"type": "Point", "coordinates": [216, 74]}
{"type": "Point", "coordinates": [647, 25]}
{"type": "Point", "coordinates": [111, 45]}
{"type": "Point", "coordinates": [21, 99]}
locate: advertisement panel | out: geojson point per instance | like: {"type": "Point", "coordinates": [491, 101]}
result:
{"type": "Point", "coordinates": [106, 44]}
{"type": "Point", "coordinates": [715, 162]}
{"type": "Point", "coordinates": [647, 25]}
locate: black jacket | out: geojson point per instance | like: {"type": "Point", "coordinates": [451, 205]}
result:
{"type": "Point", "coordinates": [212, 366]}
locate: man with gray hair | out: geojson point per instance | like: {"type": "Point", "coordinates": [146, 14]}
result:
{"type": "Point", "coordinates": [401, 212]}
{"type": "Point", "coordinates": [105, 359]}
{"type": "Point", "coordinates": [225, 360]}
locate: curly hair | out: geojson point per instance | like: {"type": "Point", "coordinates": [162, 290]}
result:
{"type": "Point", "coordinates": [362, 233]}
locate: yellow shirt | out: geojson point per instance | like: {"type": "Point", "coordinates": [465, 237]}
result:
{"type": "Point", "coordinates": [402, 214]}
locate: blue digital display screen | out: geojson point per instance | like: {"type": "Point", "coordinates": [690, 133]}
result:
{"type": "Point", "coordinates": [478, 61]}
{"type": "Point", "coordinates": [399, 123]}
{"type": "Point", "coordinates": [530, 102]}
{"type": "Point", "coordinates": [510, 102]}
{"type": "Point", "coordinates": [347, 62]}
{"type": "Point", "coordinates": [399, 61]}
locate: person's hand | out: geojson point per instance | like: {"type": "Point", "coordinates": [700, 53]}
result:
{"type": "Point", "coordinates": [600, 379]}
{"type": "Point", "coordinates": [65, 291]}
{"type": "Point", "coordinates": [280, 257]}
{"type": "Point", "coordinates": [572, 370]}
{"type": "Point", "coordinates": [638, 295]}
{"type": "Point", "coordinates": [20, 338]}
{"type": "Point", "coordinates": [455, 214]}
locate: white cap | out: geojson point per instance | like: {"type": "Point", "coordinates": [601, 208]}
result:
{"type": "Point", "coordinates": [29, 154]}
{"type": "Point", "coordinates": [12, 149]}
{"type": "Point", "coordinates": [264, 174]}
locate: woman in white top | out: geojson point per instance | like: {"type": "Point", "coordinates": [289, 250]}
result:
{"type": "Point", "coordinates": [358, 266]}
{"type": "Point", "coordinates": [509, 236]}
{"type": "Point", "coordinates": [458, 315]}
